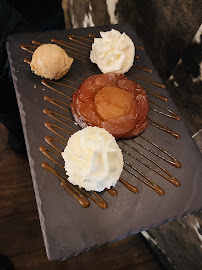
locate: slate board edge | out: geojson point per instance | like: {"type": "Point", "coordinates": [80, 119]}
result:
{"type": "Point", "coordinates": [30, 159]}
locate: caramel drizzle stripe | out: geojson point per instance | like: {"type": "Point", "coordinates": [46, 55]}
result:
{"type": "Point", "coordinates": [128, 186]}
{"type": "Point", "coordinates": [163, 128]}
{"type": "Point", "coordinates": [145, 79]}
{"type": "Point", "coordinates": [26, 48]}
{"type": "Point", "coordinates": [27, 61]}
{"type": "Point", "coordinates": [148, 70]}
{"type": "Point", "coordinates": [73, 81]}
{"type": "Point", "coordinates": [99, 201]}
{"type": "Point", "coordinates": [72, 38]}
{"type": "Point", "coordinates": [51, 127]}
{"type": "Point", "coordinates": [79, 37]}
{"type": "Point", "coordinates": [169, 176]}
{"type": "Point", "coordinates": [54, 101]}
{"type": "Point", "coordinates": [151, 183]}
{"type": "Point", "coordinates": [173, 160]}
{"type": "Point", "coordinates": [37, 42]}
{"type": "Point", "coordinates": [45, 82]}
{"type": "Point", "coordinates": [79, 76]}
{"type": "Point", "coordinates": [112, 191]}
{"type": "Point", "coordinates": [45, 151]}
{"type": "Point", "coordinates": [147, 182]}
{"type": "Point", "coordinates": [50, 140]}
{"type": "Point", "coordinates": [171, 115]}
{"type": "Point", "coordinates": [51, 113]}
{"type": "Point", "coordinates": [62, 84]}
{"type": "Point", "coordinates": [74, 191]}
{"type": "Point", "coordinates": [155, 94]}
{"type": "Point", "coordinates": [66, 44]}
{"type": "Point", "coordinates": [92, 36]}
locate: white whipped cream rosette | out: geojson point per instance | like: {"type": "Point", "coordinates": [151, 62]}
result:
{"type": "Point", "coordinates": [113, 52]}
{"type": "Point", "coordinates": [93, 159]}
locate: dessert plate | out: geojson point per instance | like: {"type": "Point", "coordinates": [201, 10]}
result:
{"type": "Point", "coordinates": [156, 162]}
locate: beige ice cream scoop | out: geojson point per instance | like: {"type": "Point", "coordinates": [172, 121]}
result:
{"type": "Point", "coordinates": [50, 61]}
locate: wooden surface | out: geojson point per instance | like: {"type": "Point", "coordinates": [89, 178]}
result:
{"type": "Point", "coordinates": [20, 232]}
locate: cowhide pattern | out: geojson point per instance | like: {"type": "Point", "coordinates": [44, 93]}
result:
{"type": "Point", "coordinates": [185, 83]}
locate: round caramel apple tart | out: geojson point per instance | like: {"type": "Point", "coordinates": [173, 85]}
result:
{"type": "Point", "coordinates": [112, 102]}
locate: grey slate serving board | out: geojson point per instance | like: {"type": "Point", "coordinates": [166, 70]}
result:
{"type": "Point", "coordinates": [69, 229]}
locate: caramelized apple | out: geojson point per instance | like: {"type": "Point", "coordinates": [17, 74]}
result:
{"type": "Point", "coordinates": [113, 102]}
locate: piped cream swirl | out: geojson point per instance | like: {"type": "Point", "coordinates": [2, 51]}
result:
{"type": "Point", "coordinates": [113, 52]}
{"type": "Point", "coordinates": [93, 159]}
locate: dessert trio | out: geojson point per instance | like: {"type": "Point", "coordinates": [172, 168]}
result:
{"type": "Point", "coordinates": [107, 107]}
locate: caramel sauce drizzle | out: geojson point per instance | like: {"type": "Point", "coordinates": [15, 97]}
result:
{"type": "Point", "coordinates": [73, 81]}
{"type": "Point", "coordinates": [66, 44]}
{"type": "Point", "coordinates": [169, 176]}
{"type": "Point", "coordinates": [112, 191]}
{"type": "Point", "coordinates": [56, 101]}
{"type": "Point", "coordinates": [51, 114]}
{"type": "Point", "coordinates": [128, 185]}
{"type": "Point", "coordinates": [149, 70]}
{"type": "Point", "coordinates": [37, 42]}
{"type": "Point", "coordinates": [51, 127]}
{"type": "Point", "coordinates": [27, 61]}
{"type": "Point", "coordinates": [162, 127]}
{"type": "Point", "coordinates": [98, 200]}
{"type": "Point", "coordinates": [141, 77]}
{"type": "Point", "coordinates": [59, 83]}
{"type": "Point", "coordinates": [74, 38]}
{"type": "Point", "coordinates": [171, 115]}
{"type": "Point", "coordinates": [173, 160]}
{"type": "Point", "coordinates": [73, 190]}
{"type": "Point", "coordinates": [79, 37]}
{"type": "Point", "coordinates": [45, 82]}
{"type": "Point", "coordinates": [26, 48]}
{"type": "Point", "coordinates": [50, 140]}
{"type": "Point", "coordinates": [45, 151]}
{"type": "Point", "coordinates": [147, 180]}
{"type": "Point", "coordinates": [152, 93]}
